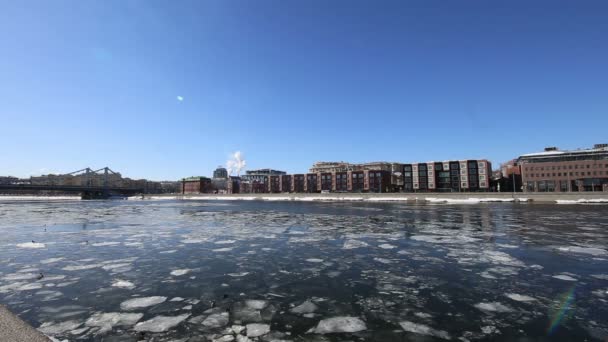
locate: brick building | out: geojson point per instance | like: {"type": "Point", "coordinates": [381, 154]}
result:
{"type": "Point", "coordinates": [196, 185]}
{"type": "Point", "coordinates": [554, 170]}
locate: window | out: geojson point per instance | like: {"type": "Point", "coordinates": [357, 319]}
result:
{"type": "Point", "coordinates": [570, 173]}
{"type": "Point", "coordinates": [570, 167]}
{"type": "Point", "coordinates": [553, 174]}
{"type": "Point", "coordinates": [588, 173]}
{"type": "Point", "coordinates": [559, 174]}
{"type": "Point", "coordinates": [594, 173]}
{"type": "Point", "coordinates": [588, 166]}
{"type": "Point", "coordinates": [542, 175]}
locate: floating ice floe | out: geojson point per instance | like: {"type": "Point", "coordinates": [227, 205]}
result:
{"type": "Point", "coordinates": [352, 244]}
{"type": "Point", "coordinates": [387, 246]}
{"type": "Point", "coordinates": [107, 320]}
{"type": "Point", "coordinates": [180, 272]}
{"type": "Point", "coordinates": [304, 308]}
{"type": "Point", "coordinates": [31, 245]}
{"type": "Point", "coordinates": [141, 302]}
{"type": "Point", "coordinates": [20, 276]}
{"type": "Point", "coordinates": [343, 324]}
{"type": "Point", "coordinates": [584, 250]}
{"type": "Point", "coordinates": [160, 323]}
{"type": "Point", "coordinates": [520, 298]}
{"type": "Point", "coordinates": [493, 307]}
{"type": "Point", "coordinates": [224, 242]}
{"type": "Point", "coordinates": [423, 330]}
{"type": "Point", "coordinates": [216, 320]}
{"type": "Point", "coordinates": [225, 249]}
{"type": "Point", "coordinates": [168, 252]}
{"type": "Point", "coordinates": [51, 260]}
{"type": "Point", "coordinates": [383, 260]}
{"type": "Point", "coordinates": [314, 260]}
{"type": "Point", "coordinates": [58, 328]}
{"type": "Point", "coordinates": [256, 304]}
{"type": "Point", "coordinates": [81, 267]}
{"type": "Point", "coordinates": [470, 200]}
{"type": "Point", "coordinates": [104, 244]}
{"type": "Point", "coordinates": [564, 277]}
{"type": "Point", "coordinates": [257, 329]}
{"type": "Point", "coordinates": [124, 284]}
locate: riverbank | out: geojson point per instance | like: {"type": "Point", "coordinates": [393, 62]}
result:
{"type": "Point", "coordinates": [556, 198]}
{"type": "Point", "coordinates": [14, 329]}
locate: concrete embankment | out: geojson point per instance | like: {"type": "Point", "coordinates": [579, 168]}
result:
{"type": "Point", "coordinates": [14, 329]}
{"type": "Point", "coordinates": [562, 198]}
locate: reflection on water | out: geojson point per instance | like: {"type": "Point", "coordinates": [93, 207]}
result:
{"type": "Point", "coordinates": [196, 270]}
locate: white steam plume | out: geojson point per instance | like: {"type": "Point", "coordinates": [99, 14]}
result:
{"type": "Point", "coordinates": [236, 163]}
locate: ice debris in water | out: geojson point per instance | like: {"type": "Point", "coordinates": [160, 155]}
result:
{"type": "Point", "coordinates": [124, 284]}
{"type": "Point", "coordinates": [584, 250]}
{"type": "Point", "coordinates": [304, 308]}
{"type": "Point", "coordinates": [180, 272]}
{"type": "Point", "coordinates": [493, 307]}
{"type": "Point", "coordinates": [314, 260]}
{"type": "Point", "coordinates": [423, 330]}
{"type": "Point", "coordinates": [257, 329]}
{"type": "Point", "coordinates": [141, 302]}
{"type": "Point", "coordinates": [216, 320]}
{"type": "Point", "coordinates": [564, 277]}
{"type": "Point", "coordinates": [160, 323]}
{"type": "Point", "coordinates": [352, 244]}
{"type": "Point", "coordinates": [52, 328]}
{"type": "Point", "coordinates": [225, 249]}
{"type": "Point", "coordinates": [387, 246]}
{"type": "Point", "coordinates": [106, 320]}
{"type": "Point", "coordinates": [520, 298]}
{"type": "Point", "coordinates": [31, 245]}
{"type": "Point", "coordinates": [339, 324]}
{"type": "Point", "coordinates": [50, 260]}
{"type": "Point", "coordinates": [256, 304]}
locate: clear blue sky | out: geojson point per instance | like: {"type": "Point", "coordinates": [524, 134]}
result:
{"type": "Point", "coordinates": [95, 83]}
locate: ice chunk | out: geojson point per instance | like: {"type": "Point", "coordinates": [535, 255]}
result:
{"type": "Point", "coordinates": [123, 284]}
{"type": "Point", "coordinates": [168, 252]}
{"type": "Point", "coordinates": [564, 277]}
{"type": "Point", "coordinates": [257, 329]}
{"type": "Point", "coordinates": [340, 324]}
{"type": "Point", "coordinates": [176, 299]}
{"type": "Point", "coordinates": [50, 260]}
{"type": "Point", "coordinates": [423, 330]}
{"type": "Point", "coordinates": [180, 272]}
{"type": "Point", "coordinates": [160, 323]}
{"type": "Point", "coordinates": [387, 246]}
{"type": "Point", "coordinates": [225, 249]}
{"type": "Point", "coordinates": [304, 308]}
{"type": "Point", "coordinates": [217, 320]}
{"type": "Point", "coordinates": [103, 244]}
{"type": "Point", "coordinates": [584, 250]}
{"type": "Point", "coordinates": [81, 267]}
{"type": "Point", "coordinates": [106, 320]}
{"type": "Point", "coordinates": [31, 286]}
{"type": "Point", "coordinates": [352, 244]}
{"type": "Point", "coordinates": [53, 328]}
{"type": "Point", "coordinates": [21, 276]}
{"type": "Point", "coordinates": [383, 260]}
{"type": "Point", "coordinates": [520, 298]}
{"type": "Point", "coordinates": [315, 260]}
{"type": "Point", "coordinates": [256, 304]}
{"type": "Point", "coordinates": [31, 245]}
{"type": "Point", "coordinates": [493, 307]}
{"type": "Point", "coordinates": [141, 302]}
{"type": "Point", "coordinates": [224, 242]}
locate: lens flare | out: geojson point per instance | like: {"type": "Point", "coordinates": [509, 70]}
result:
{"type": "Point", "coordinates": [559, 315]}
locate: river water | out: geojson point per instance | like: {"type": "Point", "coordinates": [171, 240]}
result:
{"type": "Point", "coordinates": [298, 271]}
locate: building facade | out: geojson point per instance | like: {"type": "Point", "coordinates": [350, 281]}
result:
{"type": "Point", "coordinates": [196, 185]}
{"type": "Point", "coordinates": [447, 176]}
{"type": "Point", "coordinates": [554, 170]}
{"type": "Point", "coordinates": [220, 173]}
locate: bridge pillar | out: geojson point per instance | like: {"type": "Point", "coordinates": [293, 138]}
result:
{"type": "Point", "coordinates": [94, 195]}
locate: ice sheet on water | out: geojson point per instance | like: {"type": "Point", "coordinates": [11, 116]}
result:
{"type": "Point", "coordinates": [104, 244]}
{"type": "Point", "coordinates": [256, 304]}
{"type": "Point", "coordinates": [176, 299]}
{"type": "Point", "coordinates": [31, 245]}
{"type": "Point", "coordinates": [314, 260]}
{"type": "Point", "coordinates": [257, 329]}
{"type": "Point", "coordinates": [20, 276]}
{"type": "Point", "coordinates": [344, 324]}
{"type": "Point", "coordinates": [31, 286]}
{"type": "Point", "coordinates": [168, 251]}
{"type": "Point", "coordinates": [352, 244]}
{"type": "Point", "coordinates": [107, 320]}
{"type": "Point", "coordinates": [160, 323]}
{"type": "Point", "coordinates": [141, 302]}
{"type": "Point", "coordinates": [125, 284]}
{"type": "Point", "coordinates": [600, 276]}
{"type": "Point", "coordinates": [216, 320]}
{"type": "Point", "coordinates": [564, 277]}
{"type": "Point", "coordinates": [58, 328]}
{"type": "Point", "coordinates": [51, 260]}
{"type": "Point", "coordinates": [584, 250]}
{"type": "Point", "coordinates": [519, 297]}
{"type": "Point", "coordinates": [423, 329]}
{"type": "Point", "coordinates": [304, 308]}
{"type": "Point", "coordinates": [180, 272]}
{"type": "Point", "coordinates": [225, 249]}
{"type": "Point", "coordinates": [224, 242]}
{"type": "Point", "coordinates": [81, 267]}
{"type": "Point", "coordinates": [387, 246]}
{"type": "Point", "coordinates": [493, 307]}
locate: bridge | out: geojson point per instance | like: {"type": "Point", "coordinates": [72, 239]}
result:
{"type": "Point", "coordinates": [94, 184]}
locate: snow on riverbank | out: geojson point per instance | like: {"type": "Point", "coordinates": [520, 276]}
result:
{"type": "Point", "coordinates": [583, 201]}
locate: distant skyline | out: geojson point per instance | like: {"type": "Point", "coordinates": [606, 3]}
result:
{"type": "Point", "coordinates": [164, 90]}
